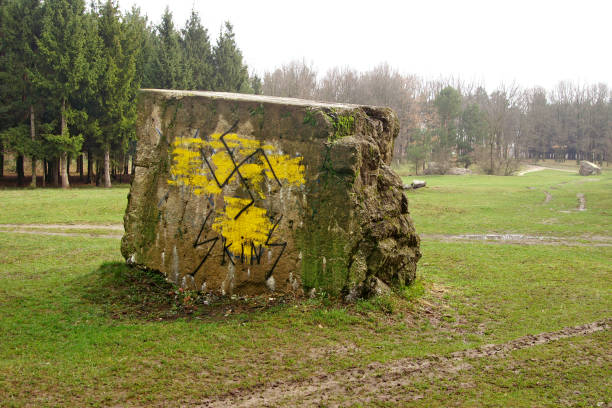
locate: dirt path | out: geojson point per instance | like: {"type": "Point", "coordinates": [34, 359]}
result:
{"type": "Point", "coordinates": [113, 227]}
{"type": "Point", "coordinates": [531, 168]}
{"type": "Point", "coordinates": [581, 202]}
{"type": "Point", "coordinates": [380, 378]}
{"type": "Point", "coordinates": [63, 234]}
{"type": "Point", "coordinates": [61, 230]}
{"type": "Point", "coordinates": [522, 239]}
{"type": "Point", "coordinates": [115, 231]}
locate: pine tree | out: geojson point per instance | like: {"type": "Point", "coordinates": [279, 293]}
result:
{"type": "Point", "coordinates": [87, 101]}
{"type": "Point", "coordinates": [143, 39]}
{"type": "Point", "coordinates": [63, 66]}
{"type": "Point", "coordinates": [230, 73]}
{"type": "Point", "coordinates": [116, 83]}
{"type": "Point", "coordinates": [20, 26]}
{"type": "Point", "coordinates": [168, 70]}
{"type": "Point", "coordinates": [197, 55]}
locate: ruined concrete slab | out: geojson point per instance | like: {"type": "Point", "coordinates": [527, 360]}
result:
{"type": "Point", "coordinates": [246, 194]}
{"type": "Point", "coordinates": [587, 168]}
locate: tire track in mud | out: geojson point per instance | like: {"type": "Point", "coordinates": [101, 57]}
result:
{"type": "Point", "coordinates": [382, 378]}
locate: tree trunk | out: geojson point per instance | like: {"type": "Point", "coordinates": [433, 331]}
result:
{"type": "Point", "coordinates": [126, 159]}
{"type": "Point", "coordinates": [64, 155]}
{"type": "Point", "coordinates": [44, 178]}
{"type": "Point", "coordinates": [89, 168]}
{"type": "Point", "coordinates": [107, 180]}
{"type": "Point", "coordinates": [98, 172]}
{"type": "Point", "coordinates": [33, 136]}
{"type": "Point", "coordinates": [492, 172]}
{"type": "Point", "coordinates": [63, 165]}
{"type": "Point", "coordinates": [55, 172]}
{"type": "Point", "coordinates": [20, 173]}
{"type": "Point", "coordinates": [80, 166]}
{"type": "Point", "coordinates": [1, 160]}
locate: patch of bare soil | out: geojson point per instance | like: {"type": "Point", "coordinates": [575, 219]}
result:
{"type": "Point", "coordinates": [48, 230]}
{"type": "Point", "coordinates": [62, 234]}
{"type": "Point", "coordinates": [559, 169]}
{"type": "Point", "coordinates": [530, 169]}
{"type": "Point", "coordinates": [522, 239]}
{"type": "Point", "coordinates": [581, 202]}
{"type": "Point", "coordinates": [112, 227]}
{"type": "Point", "coordinates": [381, 379]}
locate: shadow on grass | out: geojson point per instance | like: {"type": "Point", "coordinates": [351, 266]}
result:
{"type": "Point", "coordinates": [124, 292]}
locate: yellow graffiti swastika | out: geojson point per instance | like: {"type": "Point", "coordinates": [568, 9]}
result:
{"type": "Point", "coordinates": [241, 223]}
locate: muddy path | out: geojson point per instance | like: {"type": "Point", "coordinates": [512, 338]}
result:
{"type": "Point", "coordinates": [521, 239]}
{"type": "Point", "coordinates": [581, 202]}
{"type": "Point", "coordinates": [113, 231]}
{"type": "Point", "coordinates": [111, 227]}
{"type": "Point", "coordinates": [532, 168]}
{"type": "Point", "coordinates": [381, 379]}
{"type": "Point", "coordinates": [62, 234]}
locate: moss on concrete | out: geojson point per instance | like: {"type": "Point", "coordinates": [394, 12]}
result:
{"type": "Point", "coordinates": [345, 224]}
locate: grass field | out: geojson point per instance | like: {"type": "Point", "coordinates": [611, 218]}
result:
{"type": "Point", "coordinates": [78, 328]}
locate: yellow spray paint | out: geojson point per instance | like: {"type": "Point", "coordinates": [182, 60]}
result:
{"type": "Point", "coordinates": [250, 227]}
{"type": "Point", "coordinates": [249, 230]}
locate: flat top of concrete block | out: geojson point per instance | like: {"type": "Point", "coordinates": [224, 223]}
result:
{"type": "Point", "coordinates": [171, 93]}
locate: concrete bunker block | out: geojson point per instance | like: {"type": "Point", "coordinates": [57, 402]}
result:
{"type": "Point", "coordinates": [250, 194]}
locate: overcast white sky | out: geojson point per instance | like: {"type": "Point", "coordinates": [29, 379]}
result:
{"type": "Point", "coordinates": [532, 42]}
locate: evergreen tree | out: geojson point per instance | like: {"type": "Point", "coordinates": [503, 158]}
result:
{"type": "Point", "coordinates": [230, 73]}
{"type": "Point", "coordinates": [62, 69]}
{"type": "Point", "coordinates": [131, 40]}
{"type": "Point", "coordinates": [448, 104]}
{"type": "Point", "coordinates": [87, 101]}
{"type": "Point", "coordinates": [20, 26]}
{"type": "Point", "coordinates": [197, 55]}
{"type": "Point", "coordinates": [256, 84]}
{"type": "Point", "coordinates": [168, 71]}
{"type": "Point", "coordinates": [116, 85]}
{"type": "Point", "coordinates": [473, 132]}
{"type": "Point", "coordinates": [143, 39]}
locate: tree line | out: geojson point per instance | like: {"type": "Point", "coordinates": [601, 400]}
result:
{"type": "Point", "coordinates": [451, 122]}
{"type": "Point", "coordinates": [69, 74]}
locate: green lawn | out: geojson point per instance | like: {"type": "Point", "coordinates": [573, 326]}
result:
{"type": "Point", "coordinates": [83, 205]}
{"type": "Point", "coordinates": [497, 204]}
{"type": "Point", "coordinates": [78, 328]}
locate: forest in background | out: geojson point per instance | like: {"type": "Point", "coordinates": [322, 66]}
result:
{"type": "Point", "coordinates": [451, 122]}
{"type": "Point", "coordinates": [69, 74]}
